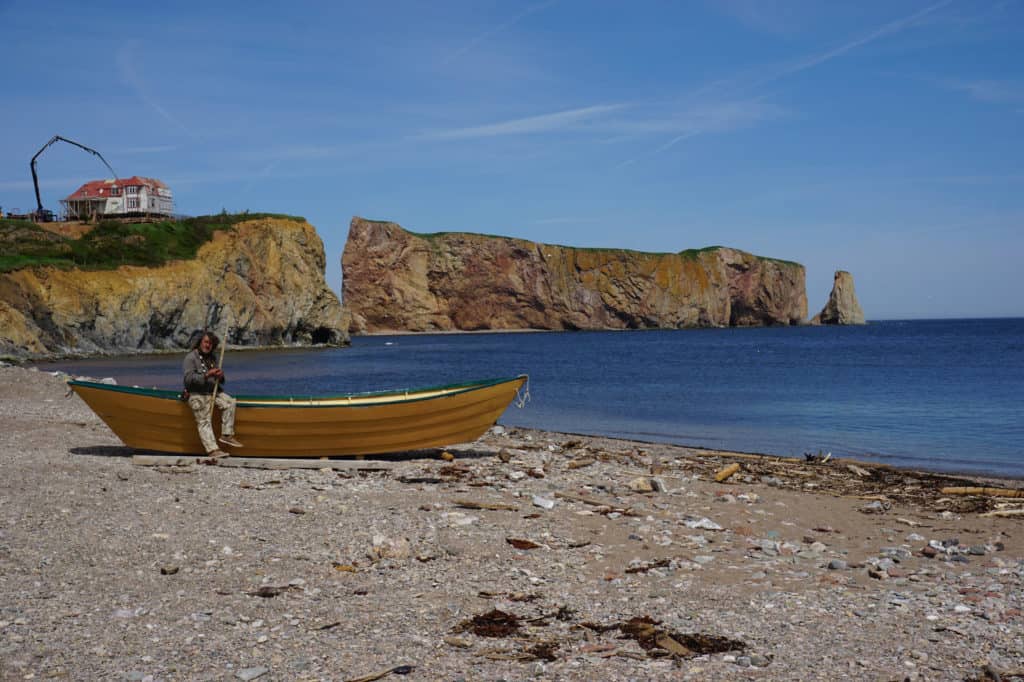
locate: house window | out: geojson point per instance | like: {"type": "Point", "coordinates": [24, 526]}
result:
{"type": "Point", "coordinates": [115, 191]}
{"type": "Point", "coordinates": [133, 189]}
{"type": "Point", "coordinates": [133, 203]}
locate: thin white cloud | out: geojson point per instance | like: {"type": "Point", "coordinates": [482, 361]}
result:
{"type": "Point", "coordinates": [991, 91]}
{"type": "Point", "coordinates": [300, 152]}
{"type": "Point", "coordinates": [561, 120]}
{"type": "Point", "coordinates": [725, 114]}
{"type": "Point", "coordinates": [498, 29]}
{"type": "Point", "coordinates": [131, 78]}
{"type": "Point", "coordinates": [263, 174]}
{"type": "Point", "coordinates": [704, 117]}
{"type": "Point", "coordinates": [768, 17]}
{"type": "Point", "coordinates": [970, 179]}
{"type": "Point", "coordinates": [891, 28]}
{"type": "Point", "coordinates": [44, 183]}
{"type": "Point", "coordinates": [562, 221]}
{"type": "Point", "coordinates": [215, 177]}
{"type": "Point", "coordinates": [710, 117]}
{"type": "Point", "coordinates": [675, 140]}
{"type": "Point", "coordinates": [157, 149]}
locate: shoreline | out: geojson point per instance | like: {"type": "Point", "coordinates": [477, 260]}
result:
{"type": "Point", "coordinates": [1009, 479]}
{"type": "Point", "coordinates": [524, 554]}
{"type": "Point", "coordinates": [114, 354]}
{"type": "Point", "coordinates": [951, 471]}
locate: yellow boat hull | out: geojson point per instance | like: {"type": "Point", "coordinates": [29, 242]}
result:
{"type": "Point", "coordinates": [358, 424]}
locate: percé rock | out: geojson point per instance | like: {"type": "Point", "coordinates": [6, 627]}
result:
{"type": "Point", "coordinates": [395, 280]}
{"type": "Point", "coordinates": [265, 277]}
{"type": "Point", "coordinates": [842, 306]}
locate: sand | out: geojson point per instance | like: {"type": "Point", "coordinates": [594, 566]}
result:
{"type": "Point", "coordinates": [530, 555]}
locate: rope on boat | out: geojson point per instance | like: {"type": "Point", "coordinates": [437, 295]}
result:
{"type": "Point", "coordinates": [523, 394]}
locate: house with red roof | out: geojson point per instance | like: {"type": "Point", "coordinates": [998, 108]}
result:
{"type": "Point", "coordinates": [134, 197]}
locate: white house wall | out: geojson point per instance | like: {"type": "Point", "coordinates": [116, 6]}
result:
{"type": "Point", "coordinates": [154, 200]}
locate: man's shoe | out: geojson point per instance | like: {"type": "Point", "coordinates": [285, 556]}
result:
{"type": "Point", "coordinates": [217, 454]}
{"type": "Point", "coordinates": [230, 440]}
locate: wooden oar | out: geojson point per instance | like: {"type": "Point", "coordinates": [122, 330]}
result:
{"type": "Point", "coordinates": [220, 365]}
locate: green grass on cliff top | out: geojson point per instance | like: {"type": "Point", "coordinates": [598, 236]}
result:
{"type": "Point", "coordinates": [691, 254]}
{"type": "Point", "coordinates": [111, 244]}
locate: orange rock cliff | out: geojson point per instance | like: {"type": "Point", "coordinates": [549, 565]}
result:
{"type": "Point", "coordinates": [396, 280]}
{"type": "Point", "coordinates": [266, 275]}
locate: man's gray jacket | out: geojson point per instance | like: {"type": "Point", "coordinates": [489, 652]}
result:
{"type": "Point", "coordinates": [195, 367]}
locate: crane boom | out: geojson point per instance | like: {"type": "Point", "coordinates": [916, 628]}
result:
{"type": "Point", "coordinates": [35, 179]}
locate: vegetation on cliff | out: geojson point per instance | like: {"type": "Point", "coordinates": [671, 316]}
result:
{"type": "Point", "coordinates": [690, 254]}
{"type": "Point", "coordinates": [264, 275]}
{"type": "Point", "coordinates": [111, 244]}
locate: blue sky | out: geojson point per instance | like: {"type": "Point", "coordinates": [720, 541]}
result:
{"type": "Point", "coordinates": [883, 138]}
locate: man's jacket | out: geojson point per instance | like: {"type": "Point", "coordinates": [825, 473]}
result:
{"type": "Point", "coordinates": [195, 367]}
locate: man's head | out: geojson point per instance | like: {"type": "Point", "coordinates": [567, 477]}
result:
{"type": "Point", "coordinates": [207, 342]}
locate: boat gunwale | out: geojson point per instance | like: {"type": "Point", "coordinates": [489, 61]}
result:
{"type": "Point", "coordinates": [404, 396]}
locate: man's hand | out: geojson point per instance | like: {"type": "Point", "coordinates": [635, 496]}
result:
{"type": "Point", "coordinates": [215, 373]}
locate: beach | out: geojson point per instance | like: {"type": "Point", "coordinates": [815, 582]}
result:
{"type": "Point", "coordinates": [525, 555]}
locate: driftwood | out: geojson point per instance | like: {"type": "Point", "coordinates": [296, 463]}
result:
{"type": "Point", "coordinates": [668, 643]}
{"type": "Point", "coordinates": [470, 504]}
{"type": "Point", "coordinates": [727, 472]}
{"type": "Point", "coordinates": [992, 492]}
{"type": "Point", "coordinates": [858, 470]}
{"type": "Point", "coordinates": [585, 500]}
{"type": "Point", "coordinates": [625, 511]}
{"type": "Point", "coordinates": [1005, 512]}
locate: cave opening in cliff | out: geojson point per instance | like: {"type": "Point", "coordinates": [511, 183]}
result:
{"type": "Point", "coordinates": [322, 335]}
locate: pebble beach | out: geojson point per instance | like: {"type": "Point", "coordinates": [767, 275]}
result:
{"type": "Point", "coordinates": [524, 555]}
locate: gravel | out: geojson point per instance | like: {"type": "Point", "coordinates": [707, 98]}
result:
{"type": "Point", "coordinates": [639, 566]}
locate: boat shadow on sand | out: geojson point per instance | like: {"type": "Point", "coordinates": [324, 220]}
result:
{"type": "Point", "coordinates": [103, 451]}
{"type": "Point", "coordinates": [123, 451]}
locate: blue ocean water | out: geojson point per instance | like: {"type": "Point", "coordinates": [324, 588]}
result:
{"type": "Point", "coordinates": [943, 395]}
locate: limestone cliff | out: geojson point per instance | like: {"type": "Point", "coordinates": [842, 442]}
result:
{"type": "Point", "coordinates": [266, 276]}
{"type": "Point", "coordinates": [842, 306]}
{"type": "Point", "coordinates": [395, 280]}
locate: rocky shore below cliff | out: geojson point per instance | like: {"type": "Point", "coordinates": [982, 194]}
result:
{"type": "Point", "coordinates": [527, 554]}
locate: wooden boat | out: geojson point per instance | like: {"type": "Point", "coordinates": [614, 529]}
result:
{"type": "Point", "coordinates": [291, 426]}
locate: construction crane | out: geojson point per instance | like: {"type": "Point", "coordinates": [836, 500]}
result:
{"type": "Point", "coordinates": [42, 215]}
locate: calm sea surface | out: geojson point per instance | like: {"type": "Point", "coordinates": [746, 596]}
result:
{"type": "Point", "coordinates": [934, 394]}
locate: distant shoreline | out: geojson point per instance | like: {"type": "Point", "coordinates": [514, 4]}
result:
{"type": "Point", "coordinates": [128, 353]}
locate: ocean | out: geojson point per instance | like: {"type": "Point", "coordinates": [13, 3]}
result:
{"type": "Point", "coordinates": [942, 395]}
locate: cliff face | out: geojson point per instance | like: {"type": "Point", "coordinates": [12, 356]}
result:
{"type": "Point", "coordinates": [267, 275]}
{"type": "Point", "coordinates": [842, 306]}
{"type": "Point", "coordinates": [395, 280]}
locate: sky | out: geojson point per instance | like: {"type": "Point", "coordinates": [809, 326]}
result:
{"type": "Point", "coordinates": [881, 138]}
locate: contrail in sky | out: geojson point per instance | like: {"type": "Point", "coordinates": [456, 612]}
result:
{"type": "Point", "coordinates": [818, 59]}
{"type": "Point", "coordinates": [487, 34]}
{"type": "Point", "coordinates": [887, 29]}
{"type": "Point", "coordinates": [531, 124]}
{"type": "Point", "coordinates": [126, 66]}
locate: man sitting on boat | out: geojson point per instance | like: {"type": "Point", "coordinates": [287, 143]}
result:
{"type": "Point", "coordinates": [203, 379]}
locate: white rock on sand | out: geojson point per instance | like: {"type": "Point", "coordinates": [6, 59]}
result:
{"type": "Point", "coordinates": [112, 570]}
